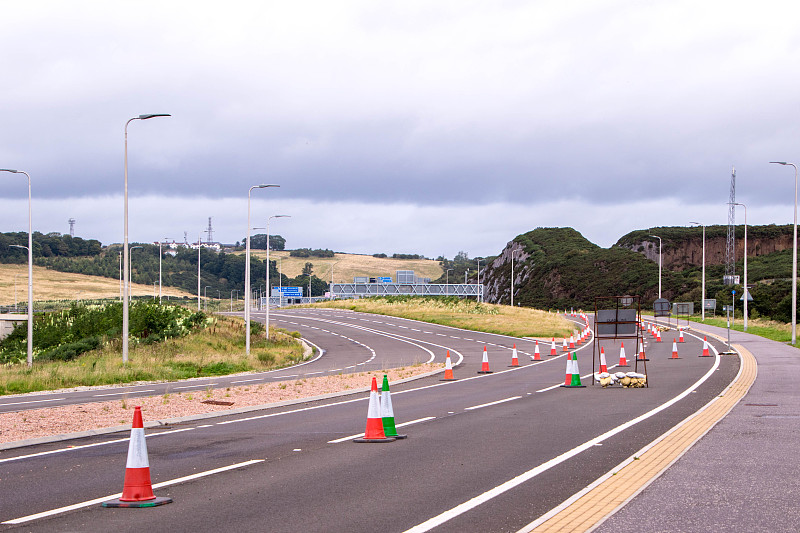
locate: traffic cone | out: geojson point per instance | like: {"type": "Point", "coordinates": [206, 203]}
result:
{"type": "Point", "coordinates": [642, 356]}
{"type": "Point", "coordinates": [622, 360]}
{"type": "Point", "coordinates": [603, 364]}
{"type": "Point", "coordinates": [680, 337]}
{"type": "Point", "coordinates": [485, 363]}
{"type": "Point", "coordinates": [514, 357]}
{"type": "Point", "coordinates": [674, 350]}
{"type": "Point", "coordinates": [374, 431]}
{"type": "Point", "coordinates": [564, 347]}
{"type": "Point", "coordinates": [572, 342]}
{"type": "Point", "coordinates": [387, 413]}
{"type": "Point", "coordinates": [705, 353]}
{"type": "Point", "coordinates": [536, 355]}
{"type": "Point", "coordinates": [658, 335]}
{"type": "Point", "coordinates": [553, 347]}
{"type": "Point", "coordinates": [137, 489]}
{"type": "Point", "coordinates": [448, 369]}
{"type": "Point", "coordinates": [573, 378]}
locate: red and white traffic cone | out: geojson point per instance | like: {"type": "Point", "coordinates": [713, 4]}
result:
{"type": "Point", "coordinates": [448, 369]}
{"type": "Point", "coordinates": [573, 378]}
{"type": "Point", "coordinates": [705, 353]}
{"type": "Point", "coordinates": [485, 363]}
{"type": "Point", "coordinates": [374, 431]}
{"type": "Point", "coordinates": [564, 347]}
{"type": "Point", "coordinates": [658, 335]}
{"type": "Point", "coordinates": [642, 356]}
{"type": "Point", "coordinates": [603, 364]}
{"type": "Point", "coordinates": [572, 342]}
{"type": "Point", "coordinates": [674, 350]}
{"type": "Point", "coordinates": [514, 357]}
{"type": "Point", "coordinates": [553, 347]}
{"type": "Point", "coordinates": [622, 360]}
{"type": "Point", "coordinates": [387, 413]}
{"type": "Point", "coordinates": [680, 337]}
{"type": "Point", "coordinates": [536, 355]}
{"type": "Point", "coordinates": [137, 489]}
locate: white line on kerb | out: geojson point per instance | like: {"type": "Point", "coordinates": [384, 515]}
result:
{"type": "Point", "coordinates": [96, 501]}
{"type": "Point", "coordinates": [492, 403]}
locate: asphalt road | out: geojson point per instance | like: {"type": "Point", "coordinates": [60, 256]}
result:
{"type": "Point", "coordinates": [488, 452]}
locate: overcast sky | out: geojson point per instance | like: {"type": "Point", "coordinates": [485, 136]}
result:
{"type": "Point", "coordinates": [425, 127]}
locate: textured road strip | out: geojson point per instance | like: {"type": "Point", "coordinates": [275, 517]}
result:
{"type": "Point", "coordinates": [351, 437]}
{"type": "Point", "coordinates": [97, 501]}
{"type": "Point", "coordinates": [492, 403]}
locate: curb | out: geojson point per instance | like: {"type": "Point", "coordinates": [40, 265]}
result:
{"type": "Point", "coordinates": [201, 416]}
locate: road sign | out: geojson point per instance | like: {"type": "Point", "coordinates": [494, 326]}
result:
{"type": "Point", "coordinates": [661, 307]}
{"type": "Point", "coordinates": [749, 297]}
{"type": "Point", "coordinates": [288, 292]}
{"type": "Point", "coordinates": [710, 303]}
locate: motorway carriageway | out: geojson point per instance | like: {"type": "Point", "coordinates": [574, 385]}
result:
{"type": "Point", "coordinates": [485, 453]}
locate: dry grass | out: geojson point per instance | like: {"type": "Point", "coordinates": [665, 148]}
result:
{"type": "Point", "coordinates": [54, 285]}
{"type": "Point", "coordinates": [346, 266]}
{"type": "Point", "coordinates": [466, 314]}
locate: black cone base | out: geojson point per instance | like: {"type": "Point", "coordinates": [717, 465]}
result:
{"type": "Point", "coordinates": [485, 371]}
{"type": "Point", "coordinates": [159, 500]}
{"type": "Point", "coordinates": [387, 439]}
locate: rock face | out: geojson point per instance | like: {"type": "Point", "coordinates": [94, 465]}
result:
{"type": "Point", "coordinates": [686, 251]}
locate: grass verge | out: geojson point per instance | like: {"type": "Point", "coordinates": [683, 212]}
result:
{"type": "Point", "coordinates": [216, 350]}
{"type": "Point", "coordinates": [463, 313]}
{"type": "Point", "coordinates": [769, 329]}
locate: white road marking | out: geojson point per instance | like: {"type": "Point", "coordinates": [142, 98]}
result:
{"type": "Point", "coordinates": [351, 437]}
{"type": "Point", "coordinates": [195, 386]}
{"type": "Point", "coordinates": [33, 401]}
{"type": "Point", "coordinates": [96, 501]}
{"type": "Point", "coordinates": [121, 393]}
{"type": "Point", "coordinates": [246, 380]}
{"type": "Point", "coordinates": [492, 403]}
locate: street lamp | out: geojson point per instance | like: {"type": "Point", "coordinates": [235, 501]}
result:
{"type": "Point", "coordinates": [794, 255]}
{"type": "Point", "coordinates": [266, 307]}
{"type": "Point", "coordinates": [280, 281]}
{"type": "Point", "coordinates": [746, 292]}
{"type": "Point", "coordinates": [30, 266]}
{"type": "Point", "coordinates": [125, 316]}
{"type": "Point", "coordinates": [130, 271]}
{"type": "Point", "coordinates": [205, 298]}
{"type": "Point", "coordinates": [159, 269]}
{"type": "Point", "coordinates": [199, 242]}
{"type": "Point", "coordinates": [513, 253]}
{"type": "Point", "coordinates": [703, 302]}
{"type": "Point", "coordinates": [659, 264]}
{"type": "Point", "coordinates": [478, 298]}
{"type": "Point", "coordinates": [247, 272]}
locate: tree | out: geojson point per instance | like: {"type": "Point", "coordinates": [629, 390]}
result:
{"type": "Point", "coordinates": [307, 268]}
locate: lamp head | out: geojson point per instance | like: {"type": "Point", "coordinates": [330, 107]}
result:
{"type": "Point", "coordinates": [779, 162]}
{"type": "Point", "coordinates": [9, 170]}
{"type": "Point", "coordinates": [153, 115]}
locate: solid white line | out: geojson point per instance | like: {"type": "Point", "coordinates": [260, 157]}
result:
{"type": "Point", "coordinates": [246, 380]}
{"type": "Point", "coordinates": [492, 403]}
{"type": "Point", "coordinates": [532, 473]}
{"type": "Point", "coordinates": [194, 386]}
{"type": "Point", "coordinates": [122, 393]}
{"type": "Point", "coordinates": [32, 401]}
{"type": "Point", "coordinates": [351, 437]}
{"type": "Point", "coordinates": [73, 448]}
{"type": "Point", "coordinates": [74, 506]}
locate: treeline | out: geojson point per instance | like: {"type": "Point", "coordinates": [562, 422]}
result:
{"type": "Point", "coordinates": [308, 252]}
{"type": "Point", "coordinates": [458, 267]}
{"type": "Point", "coordinates": [259, 242]}
{"type": "Point", "coordinates": [399, 256]}
{"type": "Point", "coordinates": [50, 245]}
{"type": "Point", "coordinates": [221, 274]}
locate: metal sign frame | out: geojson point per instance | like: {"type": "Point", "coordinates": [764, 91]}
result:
{"type": "Point", "coordinates": [618, 317]}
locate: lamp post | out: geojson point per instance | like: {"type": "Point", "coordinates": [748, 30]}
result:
{"type": "Point", "coordinates": [130, 271]}
{"type": "Point", "coordinates": [30, 266]}
{"type": "Point", "coordinates": [125, 316]}
{"type": "Point", "coordinates": [280, 281]}
{"type": "Point", "coordinates": [159, 269]}
{"type": "Point", "coordinates": [703, 302]}
{"type": "Point", "coordinates": [266, 307]}
{"type": "Point", "coordinates": [199, 242]}
{"type": "Point", "coordinates": [205, 298]}
{"type": "Point", "coordinates": [332, 296]}
{"type": "Point", "coordinates": [247, 272]}
{"type": "Point", "coordinates": [794, 254]}
{"type": "Point", "coordinates": [478, 298]}
{"type": "Point", "coordinates": [120, 275]}
{"type": "Point", "coordinates": [659, 264]}
{"type": "Point", "coordinates": [746, 292]}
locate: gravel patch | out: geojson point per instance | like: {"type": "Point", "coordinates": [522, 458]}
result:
{"type": "Point", "coordinates": [37, 423]}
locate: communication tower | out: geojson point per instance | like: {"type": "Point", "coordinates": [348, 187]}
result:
{"type": "Point", "coordinates": [210, 232]}
{"type": "Point", "coordinates": [71, 227]}
{"type": "Point", "coordinates": [730, 249]}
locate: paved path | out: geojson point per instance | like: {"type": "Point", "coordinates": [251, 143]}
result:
{"type": "Point", "coordinates": [742, 475]}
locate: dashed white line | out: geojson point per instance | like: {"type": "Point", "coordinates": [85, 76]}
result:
{"type": "Point", "coordinates": [351, 437]}
{"type": "Point", "coordinates": [32, 401]}
{"type": "Point", "coordinates": [121, 393]}
{"type": "Point", "coordinates": [492, 403]}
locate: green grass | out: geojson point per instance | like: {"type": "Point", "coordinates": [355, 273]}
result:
{"type": "Point", "coordinates": [463, 313]}
{"type": "Point", "coordinates": [776, 331]}
{"type": "Point", "coordinates": [216, 350]}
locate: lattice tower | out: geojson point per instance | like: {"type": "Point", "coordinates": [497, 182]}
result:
{"type": "Point", "coordinates": [71, 227]}
{"type": "Point", "coordinates": [210, 232]}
